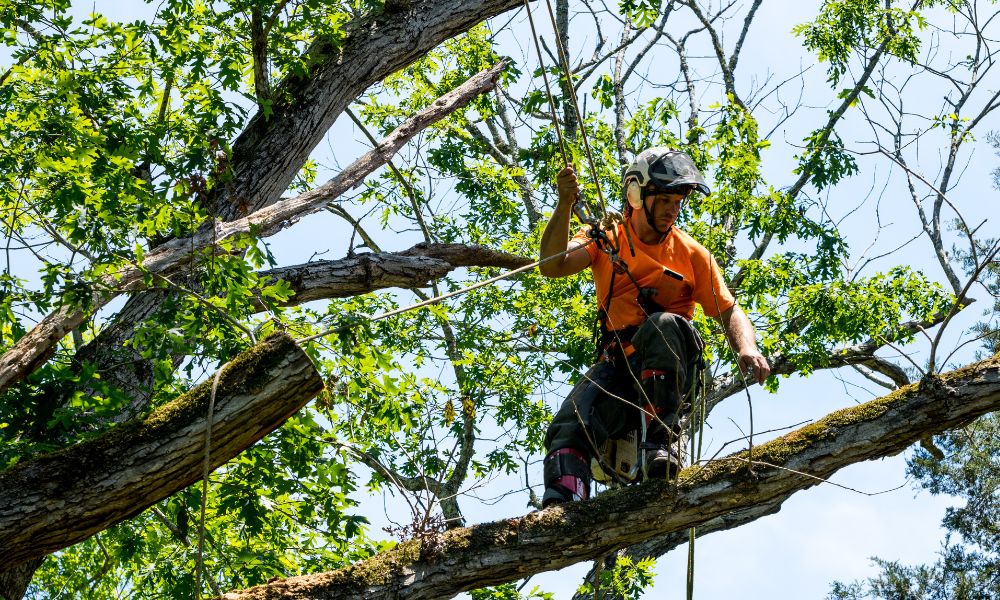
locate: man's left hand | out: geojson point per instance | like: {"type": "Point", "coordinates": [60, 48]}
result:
{"type": "Point", "coordinates": [755, 363]}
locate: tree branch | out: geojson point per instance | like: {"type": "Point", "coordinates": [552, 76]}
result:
{"type": "Point", "coordinates": [364, 273]}
{"type": "Point", "coordinates": [38, 345]}
{"type": "Point", "coordinates": [503, 551]}
{"type": "Point", "coordinates": [56, 500]}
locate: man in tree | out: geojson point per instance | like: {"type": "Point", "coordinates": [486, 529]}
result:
{"type": "Point", "coordinates": [648, 350]}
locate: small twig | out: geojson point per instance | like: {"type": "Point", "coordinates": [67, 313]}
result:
{"type": "Point", "coordinates": [958, 302]}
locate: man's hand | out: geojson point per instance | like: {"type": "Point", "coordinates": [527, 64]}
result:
{"type": "Point", "coordinates": [569, 187]}
{"type": "Point", "coordinates": [754, 364]}
{"type": "Point", "coordinates": [740, 332]}
{"type": "Point", "coordinates": [554, 238]}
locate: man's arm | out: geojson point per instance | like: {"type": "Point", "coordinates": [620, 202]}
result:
{"type": "Point", "coordinates": [741, 335]}
{"type": "Point", "coordinates": [555, 238]}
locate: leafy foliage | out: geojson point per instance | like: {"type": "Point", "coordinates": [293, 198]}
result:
{"type": "Point", "coordinates": [844, 26]}
{"type": "Point", "coordinates": [626, 579]}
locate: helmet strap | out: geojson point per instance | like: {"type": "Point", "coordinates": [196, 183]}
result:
{"type": "Point", "coordinates": [649, 217]}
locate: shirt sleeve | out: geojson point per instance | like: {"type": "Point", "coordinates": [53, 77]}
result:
{"type": "Point", "coordinates": [711, 291]}
{"type": "Point", "coordinates": [582, 238]}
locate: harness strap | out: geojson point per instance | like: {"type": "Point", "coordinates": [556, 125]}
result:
{"type": "Point", "coordinates": [653, 373]}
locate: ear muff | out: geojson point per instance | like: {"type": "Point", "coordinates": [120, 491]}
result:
{"type": "Point", "coordinates": [633, 193]}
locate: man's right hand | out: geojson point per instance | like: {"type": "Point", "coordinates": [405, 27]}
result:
{"type": "Point", "coordinates": [556, 233]}
{"type": "Point", "coordinates": [569, 186]}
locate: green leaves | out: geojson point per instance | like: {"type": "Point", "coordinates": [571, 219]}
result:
{"type": "Point", "coordinates": [852, 312]}
{"type": "Point", "coordinates": [509, 591]}
{"type": "Point", "coordinates": [642, 13]}
{"type": "Point", "coordinates": [626, 579]}
{"type": "Point", "coordinates": [844, 27]}
{"type": "Point", "coordinates": [825, 159]}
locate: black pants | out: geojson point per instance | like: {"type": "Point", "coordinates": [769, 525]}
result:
{"type": "Point", "coordinates": [605, 403]}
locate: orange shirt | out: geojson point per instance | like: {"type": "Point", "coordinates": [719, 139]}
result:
{"type": "Point", "coordinates": [703, 282]}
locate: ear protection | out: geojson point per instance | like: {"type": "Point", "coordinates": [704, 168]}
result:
{"type": "Point", "coordinates": [633, 193]}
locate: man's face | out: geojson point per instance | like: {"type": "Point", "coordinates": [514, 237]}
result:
{"type": "Point", "coordinates": [665, 207]}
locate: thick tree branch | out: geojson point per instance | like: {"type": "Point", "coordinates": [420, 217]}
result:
{"type": "Point", "coordinates": [364, 273]}
{"type": "Point", "coordinates": [503, 551]}
{"type": "Point", "coordinates": [272, 149]}
{"type": "Point", "coordinates": [59, 499]}
{"type": "Point", "coordinates": [38, 345]}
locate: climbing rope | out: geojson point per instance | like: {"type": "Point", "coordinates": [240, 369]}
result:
{"type": "Point", "coordinates": [205, 468]}
{"type": "Point", "coordinates": [442, 297]}
{"type": "Point", "coordinates": [581, 211]}
{"type": "Point", "coordinates": [568, 73]}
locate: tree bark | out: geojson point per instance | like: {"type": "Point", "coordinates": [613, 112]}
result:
{"type": "Point", "coordinates": [59, 499]}
{"type": "Point", "coordinates": [368, 272]}
{"type": "Point", "coordinates": [37, 346]}
{"type": "Point", "coordinates": [462, 559]}
{"type": "Point", "coordinates": [272, 149]}
{"type": "Point", "coordinates": [14, 582]}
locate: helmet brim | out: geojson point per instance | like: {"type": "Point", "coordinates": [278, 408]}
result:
{"type": "Point", "coordinates": [683, 182]}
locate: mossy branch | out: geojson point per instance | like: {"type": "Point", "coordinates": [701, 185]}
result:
{"type": "Point", "coordinates": [503, 551]}
{"type": "Point", "coordinates": [56, 500]}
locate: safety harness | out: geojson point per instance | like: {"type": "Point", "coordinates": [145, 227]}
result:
{"type": "Point", "coordinates": [606, 339]}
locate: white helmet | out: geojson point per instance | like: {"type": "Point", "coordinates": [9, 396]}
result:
{"type": "Point", "coordinates": [666, 169]}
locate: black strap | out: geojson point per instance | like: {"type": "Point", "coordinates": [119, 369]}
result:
{"type": "Point", "coordinates": [557, 465]}
{"type": "Point", "coordinates": [601, 337]}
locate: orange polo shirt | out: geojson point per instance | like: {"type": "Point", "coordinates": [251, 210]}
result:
{"type": "Point", "coordinates": [703, 282]}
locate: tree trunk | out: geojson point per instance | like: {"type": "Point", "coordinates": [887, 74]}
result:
{"type": "Point", "coordinates": [59, 499]}
{"type": "Point", "coordinates": [14, 581]}
{"type": "Point", "coordinates": [444, 565]}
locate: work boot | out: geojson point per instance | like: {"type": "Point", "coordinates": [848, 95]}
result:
{"type": "Point", "coordinates": [567, 477]}
{"type": "Point", "coordinates": [664, 455]}
{"type": "Point", "coordinates": [663, 461]}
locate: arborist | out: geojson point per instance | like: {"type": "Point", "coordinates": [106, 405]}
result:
{"type": "Point", "coordinates": [648, 350]}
